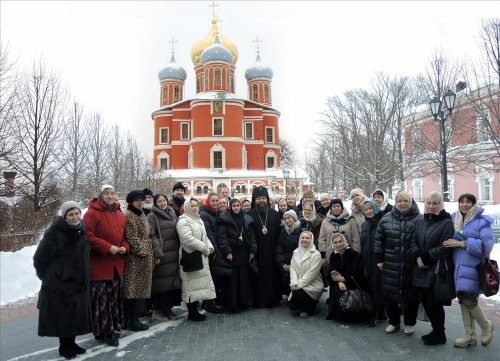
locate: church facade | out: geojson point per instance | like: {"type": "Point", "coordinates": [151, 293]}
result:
{"type": "Point", "coordinates": [215, 136]}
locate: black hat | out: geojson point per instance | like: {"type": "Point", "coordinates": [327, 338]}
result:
{"type": "Point", "coordinates": [178, 185]}
{"type": "Point", "coordinates": [337, 201]}
{"type": "Point", "coordinates": [260, 191]}
{"type": "Point", "coordinates": [135, 195]}
{"type": "Point", "coordinates": [147, 192]}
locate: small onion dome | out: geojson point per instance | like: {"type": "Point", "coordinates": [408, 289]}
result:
{"type": "Point", "coordinates": [216, 52]}
{"type": "Point", "coordinates": [258, 70]}
{"type": "Point", "coordinates": [172, 71]}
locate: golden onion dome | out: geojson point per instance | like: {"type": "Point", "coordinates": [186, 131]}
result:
{"type": "Point", "coordinates": [207, 41]}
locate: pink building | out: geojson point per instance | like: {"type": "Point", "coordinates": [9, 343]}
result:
{"type": "Point", "coordinates": [473, 160]}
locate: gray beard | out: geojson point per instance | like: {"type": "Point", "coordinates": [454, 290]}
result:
{"type": "Point", "coordinates": [148, 205]}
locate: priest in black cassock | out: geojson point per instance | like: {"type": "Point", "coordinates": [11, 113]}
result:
{"type": "Point", "coordinates": [266, 227]}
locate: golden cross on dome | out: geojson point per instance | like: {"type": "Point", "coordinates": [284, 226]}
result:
{"type": "Point", "coordinates": [172, 42]}
{"type": "Point", "coordinates": [213, 6]}
{"type": "Point", "coordinates": [257, 42]}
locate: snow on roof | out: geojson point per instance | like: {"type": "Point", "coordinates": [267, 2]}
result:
{"type": "Point", "coordinates": [239, 173]}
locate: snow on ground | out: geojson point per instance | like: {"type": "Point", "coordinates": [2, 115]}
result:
{"type": "Point", "coordinates": [18, 279]}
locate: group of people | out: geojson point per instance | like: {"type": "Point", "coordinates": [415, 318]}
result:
{"type": "Point", "coordinates": [102, 271]}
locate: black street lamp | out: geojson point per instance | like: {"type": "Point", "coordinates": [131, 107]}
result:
{"type": "Point", "coordinates": [436, 106]}
{"type": "Point", "coordinates": [286, 174]}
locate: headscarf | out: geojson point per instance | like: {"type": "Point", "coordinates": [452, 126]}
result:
{"type": "Point", "coordinates": [239, 218]}
{"type": "Point", "coordinates": [187, 209]}
{"type": "Point", "coordinates": [381, 193]}
{"type": "Point", "coordinates": [313, 216]}
{"type": "Point", "coordinates": [462, 221]}
{"type": "Point", "coordinates": [206, 203]}
{"type": "Point", "coordinates": [375, 206]}
{"type": "Point", "coordinates": [344, 240]}
{"type": "Point", "coordinates": [304, 250]}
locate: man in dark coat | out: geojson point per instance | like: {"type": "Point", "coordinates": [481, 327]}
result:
{"type": "Point", "coordinates": [177, 201]}
{"type": "Point", "coordinates": [148, 200]}
{"type": "Point", "coordinates": [266, 226]}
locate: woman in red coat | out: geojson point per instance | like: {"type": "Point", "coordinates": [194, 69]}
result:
{"type": "Point", "coordinates": [105, 230]}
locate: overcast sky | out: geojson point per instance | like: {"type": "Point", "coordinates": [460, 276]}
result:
{"type": "Point", "coordinates": [109, 53]}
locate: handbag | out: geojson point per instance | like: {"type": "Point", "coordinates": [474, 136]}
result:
{"type": "Point", "coordinates": [489, 278]}
{"type": "Point", "coordinates": [444, 285]}
{"type": "Point", "coordinates": [356, 300]}
{"type": "Point", "coordinates": [191, 262]}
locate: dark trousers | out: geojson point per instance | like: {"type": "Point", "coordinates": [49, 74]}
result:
{"type": "Point", "coordinates": [302, 301]}
{"type": "Point", "coordinates": [409, 307]}
{"type": "Point", "coordinates": [434, 311]}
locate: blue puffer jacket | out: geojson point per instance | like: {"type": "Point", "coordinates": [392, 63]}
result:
{"type": "Point", "coordinates": [477, 231]}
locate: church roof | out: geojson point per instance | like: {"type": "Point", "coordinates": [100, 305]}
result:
{"type": "Point", "coordinates": [216, 52]}
{"type": "Point", "coordinates": [172, 71]}
{"type": "Point", "coordinates": [258, 70]}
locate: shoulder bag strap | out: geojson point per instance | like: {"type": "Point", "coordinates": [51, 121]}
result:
{"type": "Point", "coordinates": [159, 230]}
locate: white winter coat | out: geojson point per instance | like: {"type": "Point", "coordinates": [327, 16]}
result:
{"type": "Point", "coordinates": [198, 285]}
{"type": "Point", "coordinates": [305, 272]}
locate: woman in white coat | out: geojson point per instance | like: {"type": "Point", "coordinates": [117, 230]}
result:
{"type": "Point", "coordinates": [305, 278]}
{"type": "Point", "coordinates": [196, 285]}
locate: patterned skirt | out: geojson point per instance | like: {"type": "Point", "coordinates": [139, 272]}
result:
{"type": "Point", "coordinates": [107, 307]}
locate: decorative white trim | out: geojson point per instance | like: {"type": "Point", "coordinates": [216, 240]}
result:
{"type": "Point", "coordinates": [417, 182]}
{"type": "Point", "coordinates": [180, 142]}
{"type": "Point", "coordinates": [271, 154]}
{"type": "Point", "coordinates": [188, 130]}
{"type": "Point", "coordinates": [244, 156]}
{"type": "Point", "coordinates": [480, 178]}
{"type": "Point", "coordinates": [265, 134]}
{"type": "Point", "coordinates": [159, 157]}
{"type": "Point", "coordinates": [190, 157]}
{"type": "Point", "coordinates": [213, 127]}
{"type": "Point", "coordinates": [217, 148]}
{"type": "Point", "coordinates": [160, 137]}
{"type": "Point", "coordinates": [223, 106]}
{"type": "Point", "coordinates": [274, 146]}
{"type": "Point", "coordinates": [166, 146]}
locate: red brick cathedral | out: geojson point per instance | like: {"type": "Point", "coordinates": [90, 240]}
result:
{"type": "Point", "coordinates": [216, 136]}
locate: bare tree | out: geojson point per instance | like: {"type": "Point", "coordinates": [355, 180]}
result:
{"type": "Point", "coordinates": [134, 162]}
{"type": "Point", "coordinates": [36, 129]}
{"type": "Point", "coordinates": [117, 157]}
{"type": "Point", "coordinates": [97, 152]}
{"type": "Point", "coordinates": [8, 78]}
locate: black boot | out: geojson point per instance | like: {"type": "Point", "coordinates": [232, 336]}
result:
{"type": "Point", "coordinates": [133, 322]}
{"type": "Point", "coordinates": [193, 314]}
{"type": "Point", "coordinates": [77, 349]}
{"type": "Point", "coordinates": [66, 349]}
{"type": "Point", "coordinates": [434, 338]}
{"type": "Point", "coordinates": [210, 306]}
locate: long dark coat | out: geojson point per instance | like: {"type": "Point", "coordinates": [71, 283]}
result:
{"type": "Point", "coordinates": [62, 264]}
{"type": "Point", "coordinates": [287, 243]}
{"type": "Point", "coordinates": [432, 230]}
{"type": "Point", "coordinates": [166, 275]}
{"type": "Point", "coordinates": [392, 247]}
{"type": "Point", "coordinates": [369, 262]}
{"type": "Point", "coordinates": [267, 287]}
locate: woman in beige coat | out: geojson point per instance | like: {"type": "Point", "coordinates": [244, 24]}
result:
{"type": "Point", "coordinates": [305, 278]}
{"type": "Point", "coordinates": [196, 285]}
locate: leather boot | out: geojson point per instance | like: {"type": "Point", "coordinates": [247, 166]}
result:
{"type": "Point", "coordinates": [66, 349]}
{"type": "Point", "coordinates": [486, 325]}
{"type": "Point", "coordinates": [193, 314]}
{"type": "Point", "coordinates": [133, 322]}
{"type": "Point", "coordinates": [470, 329]}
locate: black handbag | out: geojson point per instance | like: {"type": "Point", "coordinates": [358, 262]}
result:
{"type": "Point", "coordinates": [191, 262]}
{"type": "Point", "coordinates": [444, 285]}
{"type": "Point", "coordinates": [355, 301]}
{"type": "Point", "coordinates": [489, 277]}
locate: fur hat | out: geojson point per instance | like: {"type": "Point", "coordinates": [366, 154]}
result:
{"type": "Point", "coordinates": [291, 213]}
{"type": "Point", "coordinates": [179, 185]}
{"type": "Point", "coordinates": [67, 206]}
{"type": "Point", "coordinates": [337, 201]}
{"type": "Point", "coordinates": [135, 195]}
{"type": "Point", "coordinates": [147, 192]}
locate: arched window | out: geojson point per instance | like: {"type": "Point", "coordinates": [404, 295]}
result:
{"type": "Point", "coordinates": [199, 190]}
{"type": "Point", "coordinates": [243, 189]}
{"type": "Point", "coordinates": [217, 77]}
{"type": "Point", "coordinates": [232, 85]}
{"type": "Point", "coordinates": [276, 189]}
{"type": "Point", "coordinates": [206, 79]}
{"type": "Point", "coordinates": [176, 93]}
{"type": "Point", "coordinates": [164, 93]}
{"type": "Point", "coordinates": [292, 189]}
{"type": "Point", "coordinates": [238, 188]}
{"type": "Point", "coordinates": [205, 189]}
{"type": "Point", "coordinates": [255, 92]}
{"type": "Point", "coordinates": [266, 92]}
{"type": "Point", "coordinates": [198, 85]}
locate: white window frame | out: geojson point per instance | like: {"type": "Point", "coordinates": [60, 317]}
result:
{"type": "Point", "coordinates": [188, 131]}
{"type": "Point", "coordinates": [160, 157]}
{"type": "Point", "coordinates": [271, 154]}
{"type": "Point", "coordinates": [164, 93]}
{"type": "Point", "coordinates": [213, 127]}
{"type": "Point", "coordinates": [217, 148]}
{"type": "Point", "coordinates": [177, 98]}
{"type": "Point", "coordinates": [215, 77]}
{"type": "Point", "coordinates": [255, 96]}
{"type": "Point", "coordinates": [267, 93]}
{"type": "Point", "coordinates": [481, 177]}
{"type": "Point", "coordinates": [265, 134]}
{"type": "Point", "coordinates": [418, 183]}
{"type": "Point", "coordinates": [160, 137]}
{"type": "Point", "coordinates": [245, 135]}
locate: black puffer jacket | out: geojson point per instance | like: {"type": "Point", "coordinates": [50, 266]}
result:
{"type": "Point", "coordinates": [392, 247]}
{"type": "Point", "coordinates": [62, 264]}
{"type": "Point", "coordinates": [218, 263]}
{"type": "Point", "coordinates": [287, 243]}
{"type": "Point", "coordinates": [229, 238]}
{"type": "Point", "coordinates": [372, 272]}
{"type": "Point", "coordinates": [432, 230]}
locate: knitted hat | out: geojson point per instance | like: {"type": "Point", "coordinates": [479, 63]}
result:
{"type": "Point", "coordinates": [135, 195]}
{"type": "Point", "coordinates": [291, 213]}
{"type": "Point", "coordinates": [337, 201]}
{"type": "Point", "coordinates": [147, 192]}
{"type": "Point", "coordinates": [67, 206]}
{"type": "Point", "coordinates": [107, 186]}
{"type": "Point", "coordinates": [179, 185]}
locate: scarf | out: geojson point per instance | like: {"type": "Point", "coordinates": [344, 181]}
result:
{"type": "Point", "coordinates": [206, 203]}
{"type": "Point", "coordinates": [461, 220]}
{"type": "Point", "coordinates": [293, 227]}
{"type": "Point", "coordinates": [313, 215]}
{"type": "Point", "coordinates": [134, 210]}
{"type": "Point", "coordinates": [78, 227]}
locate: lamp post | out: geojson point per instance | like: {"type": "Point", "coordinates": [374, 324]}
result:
{"type": "Point", "coordinates": [286, 174]}
{"type": "Point", "coordinates": [436, 106]}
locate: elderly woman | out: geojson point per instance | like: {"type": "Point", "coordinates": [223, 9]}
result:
{"type": "Point", "coordinates": [197, 284]}
{"type": "Point", "coordinates": [237, 243]}
{"type": "Point", "coordinates": [373, 215]}
{"type": "Point", "coordinates": [392, 249]}
{"type": "Point", "coordinates": [138, 272]}
{"type": "Point", "coordinates": [305, 279]}
{"type": "Point", "coordinates": [343, 268]}
{"type": "Point", "coordinates": [61, 261]}
{"type": "Point", "coordinates": [325, 200]}
{"type": "Point", "coordinates": [222, 205]}
{"type": "Point", "coordinates": [166, 286]}
{"type": "Point", "coordinates": [357, 197]}
{"type": "Point", "coordinates": [382, 201]}
{"type": "Point", "coordinates": [310, 220]}
{"type": "Point", "coordinates": [428, 250]}
{"type": "Point", "coordinates": [105, 230]}
{"type": "Point", "coordinates": [337, 220]}
{"type": "Point", "coordinates": [287, 243]}
{"type": "Point", "coordinates": [472, 232]}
